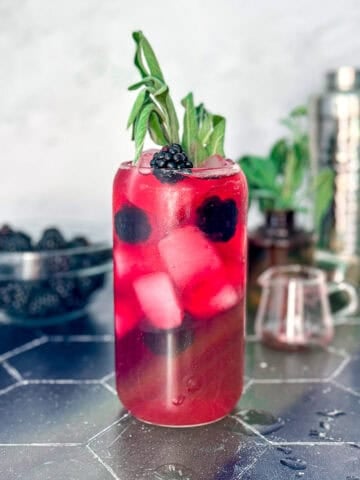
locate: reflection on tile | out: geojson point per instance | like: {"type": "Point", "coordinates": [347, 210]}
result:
{"type": "Point", "coordinates": [5, 378]}
{"type": "Point", "coordinates": [50, 463]}
{"type": "Point", "coordinates": [112, 381]}
{"type": "Point", "coordinates": [350, 375]}
{"type": "Point", "coordinates": [55, 413]}
{"type": "Point", "coordinates": [265, 363]}
{"type": "Point", "coordinates": [347, 337]}
{"type": "Point", "coordinates": [66, 360]}
{"type": "Point", "coordinates": [298, 405]}
{"type": "Point", "coordinates": [12, 337]}
{"type": "Point", "coordinates": [324, 462]}
{"type": "Point", "coordinates": [136, 450]}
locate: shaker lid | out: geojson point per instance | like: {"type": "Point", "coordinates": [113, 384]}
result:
{"type": "Point", "coordinates": [343, 79]}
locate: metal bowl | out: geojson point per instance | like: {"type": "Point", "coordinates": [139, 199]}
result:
{"type": "Point", "coordinates": [48, 287]}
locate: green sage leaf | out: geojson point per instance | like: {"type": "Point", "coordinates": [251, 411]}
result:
{"type": "Point", "coordinates": [138, 104]}
{"type": "Point", "coordinates": [141, 127]}
{"type": "Point", "coordinates": [149, 55]}
{"type": "Point", "coordinates": [156, 129]}
{"type": "Point", "coordinates": [215, 144]}
{"type": "Point", "coordinates": [190, 125]}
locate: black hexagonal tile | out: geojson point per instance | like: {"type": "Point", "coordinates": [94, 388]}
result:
{"type": "Point", "coordinates": [298, 412]}
{"type": "Point", "coordinates": [5, 378]}
{"type": "Point", "coordinates": [66, 360]}
{"type": "Point", "coordinates": [136, 450]}
{"type": "Point", "coordinates": [50, 463]}
{"type": "Point", "coordinates": [349, 375]}
{"type": "Point", "coordinates": [265, 363]}
{"type": "Point", "coordinates": [12, 337]}
{"type": "Point", "coordinates": [321, 462]}
{"type": "Point", "coordinates": [55, 413]}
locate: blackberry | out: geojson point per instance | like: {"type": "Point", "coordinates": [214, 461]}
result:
{"type": "Point", "coordinates": [132, 224]}
{"type": "Point", "coordinates": [51, 239]}
{"type": "Point", "coordinates": [5, 229]}
{"type": "Point", "coordinates": [169, 162]}
{"type": "Point", "coordinates": [57, 264]}
{"type": "Point", "coordinates": [14, 241]}
{"type": "Point", "coordinates": [217, 218]}
{"type": "Point", "coordinates": [14, 297]}
{"type": "Point", "coordinates": [170, 342]}
{"type": "Point", "coordinates": [65, 288]}
{"type": "Point", "coordinates": [78, 242]}
{"type": "Point", "coordinates": [87, 285]}
{"type": "Point", "coordinates": [44, 302]}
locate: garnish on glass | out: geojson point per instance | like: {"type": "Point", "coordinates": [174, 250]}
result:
{"type": "Point", "coordinates": [154, 113]}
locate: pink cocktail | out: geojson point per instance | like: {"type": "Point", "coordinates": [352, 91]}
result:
{"type": "Point", "coordinates": [179, 284]}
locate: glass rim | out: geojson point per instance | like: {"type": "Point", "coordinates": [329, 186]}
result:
{"type": "Point", "coordinates": [311, 275]}
{"type": "Point", "coordinates": [233, 166]}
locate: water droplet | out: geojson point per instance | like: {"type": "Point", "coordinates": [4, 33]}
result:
{"type": "Point", "coordinates": [354, 445]}
{"type": "Point", "coordinates": [299, 474]}
{"type": "Point", "coordinates": [294, 463]}
{"type": "Point", "coordinates": [264, 422]}
{"type": "Point", "coordinates": [286, 450]}
{"type": "Point", "coordinates": [263, 365]}
{"type": "Point", "coordinates": [193, 384]}
{"type": "Point", "coordinates": [325, 425]}
{"type": "Point", "coordinates": [179, 400]}
{"type": "Point", "coordinates": [331, 413]}
{"type": "Point", "coordinates": [317, 434]}
{"type": "Point", "coordinates": [172, 471]}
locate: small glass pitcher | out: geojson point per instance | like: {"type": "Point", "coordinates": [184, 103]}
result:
{"type": "Point", "coordinates": [294, 310]}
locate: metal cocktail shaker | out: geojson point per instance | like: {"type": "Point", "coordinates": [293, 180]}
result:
{"type": "Point", "coordinates": [335, 143]}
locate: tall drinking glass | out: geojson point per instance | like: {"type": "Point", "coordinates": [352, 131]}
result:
{"type": "Point", "coordinates": [179, 290]}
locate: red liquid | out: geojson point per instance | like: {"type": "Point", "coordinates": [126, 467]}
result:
{"type": "Point", "coordinates": [179, 281]}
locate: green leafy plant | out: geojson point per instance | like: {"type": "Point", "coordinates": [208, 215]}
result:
{"type": "Point", "coordinates": [153, 112]}
{"type": "Point", "coordinates": [276, 181]}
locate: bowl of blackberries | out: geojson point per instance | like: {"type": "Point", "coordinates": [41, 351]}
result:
{"type": "Point", "coordinates": [49, 279]}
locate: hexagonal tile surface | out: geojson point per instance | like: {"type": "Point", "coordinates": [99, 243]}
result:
{"type": "Point", "coordinates": [136, 450]}
{"type": "Point", "coordinates": [349, 375]}
{"type": "Point", "coordinates": [321, 462]}
{"type": "Point", "coordinates": [55, 413]}
{"type": "Point", "coordinates": [12, 337]}
{"type": "Point", "coordinates": [89, 360]}
{"type": "Point", "coordinates": [5, 378]}
{"type": "Point", "coordinates": [50, 463]}
{"type": "Point", "coordinates": [347, 337]}
{"type": "Point", "coordinates": [302, 409]}
{"type": "Point", "coordinates": [265, 363]}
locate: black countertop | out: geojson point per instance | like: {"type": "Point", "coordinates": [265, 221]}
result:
{"type": "Point", "coordinates": [60, 418]}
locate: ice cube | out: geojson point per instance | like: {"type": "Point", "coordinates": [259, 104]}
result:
{"type": "Point", "coordinates": [145, 159]}
{"type": "Point", "coordinates": [157, 297]}
{"type": "Point", "coordinates": [211, 297]}
{"type": "Point", "coordinates": [131, 261]}
{"type": "Point", "coordinates": [188, 256]}
{"type": "Point", "coordinates": [217, 161]}
{"type": "Point", "coordinates": [127, 313]}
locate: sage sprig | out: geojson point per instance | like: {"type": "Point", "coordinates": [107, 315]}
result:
{"type": "Point", "coordinates": [153, 112]}
{"type": "Point", "coordinates": [203, 132]}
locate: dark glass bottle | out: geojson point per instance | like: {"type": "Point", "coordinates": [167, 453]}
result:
{"type": "Point", "coordinates": [278, 242]}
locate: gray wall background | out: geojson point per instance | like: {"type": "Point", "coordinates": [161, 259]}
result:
{"type": "Point", "coordinates": [65, 67]}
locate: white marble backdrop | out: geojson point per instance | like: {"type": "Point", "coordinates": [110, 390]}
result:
{"type": "Point", "coordinates": [65, 66]}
